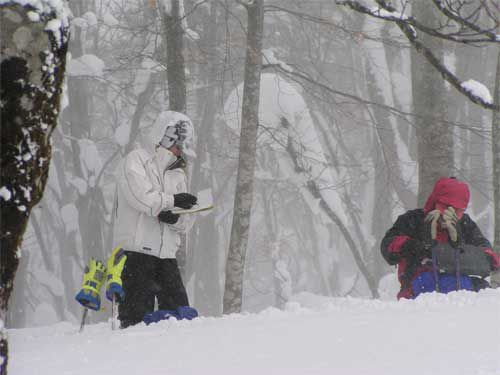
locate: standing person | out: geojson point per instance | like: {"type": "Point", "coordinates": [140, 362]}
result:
{"type": "Point", "coordinates": [442, 220]}
{"type": "Point", "coordinates": [151, 182]}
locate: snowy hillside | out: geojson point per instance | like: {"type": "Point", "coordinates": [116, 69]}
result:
{"type": "Point", "coordinates": [455, 334]}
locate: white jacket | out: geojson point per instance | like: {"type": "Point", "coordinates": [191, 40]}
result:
{"type": "Point", "coordinates": [142, 192]}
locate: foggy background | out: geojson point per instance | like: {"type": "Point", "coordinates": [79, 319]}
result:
{"type": "Point", "coordinates": [355, 118]}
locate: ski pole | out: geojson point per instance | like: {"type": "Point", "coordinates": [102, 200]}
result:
{"type": "Point", "coordinates": [84, 318]}
{"type": "Point", "coordinates": [457, 268]}
{"type": "Point", "coordinates": [114, 313]}
{"type": "Point", "coordinates": [114, 289]}
{"type": "Point", "coordinates": [89, 296]}
{"type": "Point", "coordinates": [435, 269]}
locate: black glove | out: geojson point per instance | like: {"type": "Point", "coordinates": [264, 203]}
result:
{"type": "Point", "coordinates": [184, 200]}
{"type": "Point", "coordinates": [168, 217]}
{"type": "Point", "coordinates": [413, 248]}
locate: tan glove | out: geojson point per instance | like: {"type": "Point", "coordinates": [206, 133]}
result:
{"type": "Point", "coordinates": [450, 221]}
{"type": "Point", "coordinates": [433, 218]}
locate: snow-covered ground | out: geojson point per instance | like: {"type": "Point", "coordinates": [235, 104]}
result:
{"type": "Point", "coordinates": [455, 334]}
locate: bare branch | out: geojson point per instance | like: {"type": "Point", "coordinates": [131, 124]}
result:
{"type": "Point", "coordinates": [386, 5]}
{"type": "Point", "coordinates": [315, 191]}
{"type": "Point", "coordinates": [298, 76]}
{"type": "Point", "coordinates": [323, 21]}
{"type": "Point", "coordinates": [393, 16]}
{"type": "Point", "coordinates": [441, 68]}
{"type": "Point", "coordinates": [406, 26]}
{"type": "Point", "coordinates": [464, 22]}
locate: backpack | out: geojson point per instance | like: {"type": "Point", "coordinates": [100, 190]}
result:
{"type": "Point", "coordinates": [464, 260]}
{"type": "Point", "coordinates": [461, 268]}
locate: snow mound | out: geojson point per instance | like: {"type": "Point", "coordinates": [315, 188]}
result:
{"type": "Point", "coordinates": [86, 65]}
{"type": "Point", "coordinates": [454, 334]}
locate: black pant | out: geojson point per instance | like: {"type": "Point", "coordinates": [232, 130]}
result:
{"type": "Point", "coordinates": [145, 277]}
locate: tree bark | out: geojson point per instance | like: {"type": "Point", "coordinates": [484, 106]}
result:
{"type": "Point", "coordinates": [435, 157]}
{"type": "Point", "coordinates": [176, 72]}
{"type": "Point", "coordinates": [176, 82]}
{"type": "Point", "coordinates": [78, 116]}
{"type": "Point", "coordinates": [496, 160]}
{"type": "Point", "coordinates": [388, 154]}
{"type": "Point", "coordinates": [246, 165]}
{"type": "Point", "coordinates": [32, 70]}
{"type": "Point", "coordinates": [204, 254]}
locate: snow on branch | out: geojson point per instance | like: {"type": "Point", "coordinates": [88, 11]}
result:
{"type": "Point", "coordinates": [246, 3]}
{"type": "Point", "coordinates": [34, 41]}
{"type": "Point", "coordinates": [271, 60]}
{"type": "Point", "coordinates": [478, 89]}
{"type": "Point", "coordinates": [301, 78]}
{"type": "Point", "coordinates": [386, 5]}
{"type": "Point", "coordinates": [407, 25]}
{"type": "Point", "coordinates": [56, 9]}
{"type": "Point", "coordinates": [87, 65]}
{"type": "Point", "coordinates": [387, 13]}
{"type": "Point", "coordinates": [167, 8]}
{"type": "Point", "coordinates": [55, 12]}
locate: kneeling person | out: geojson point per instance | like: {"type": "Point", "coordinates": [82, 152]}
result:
{"type": "Point", "coordinates": [410, 242]}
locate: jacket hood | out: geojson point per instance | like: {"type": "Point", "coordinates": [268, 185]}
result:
{"type": "Point", "coordinates": [164, 120]}
{"type": "Point", "coordinates": [450, 192]}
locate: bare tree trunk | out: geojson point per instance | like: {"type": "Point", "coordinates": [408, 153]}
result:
{"type": "Point", "coordinates": [16, 315]}
{"type": "Point", "coordinates": [435, 158]}
{"type": "Point", "coordinates": [473, 159]}
{"type": "Point", "coordinates": [67, 241]}
{"type": "Point", "coordinates": [282, 279]}
{"type": "Point", "coordinates": [142, 101]}
{"type": "Point", "coordinates": [395, 56]}
{"type": "Point", "coordinates": [389, 175]}
{"type": "Point", "coordinates": [32, 71]}
{"type": "Point", "coordinates": [176, 74]}
{"type": "Point", "coordinates": [496, 160]}
{"type": "Point", "coordinates": [78, 116]}
{"type": "Point", "coordinates": [388, 154]}
{"type": "Point", "coordinates": [176, 82]}
{"type": "Point", "coordinates": [246, 165]}
{"type": "Point", "coordinates": [205, 253]}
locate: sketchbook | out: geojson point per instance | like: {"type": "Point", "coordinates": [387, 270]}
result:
{"type": "Point", "coordinates": [205, 203]}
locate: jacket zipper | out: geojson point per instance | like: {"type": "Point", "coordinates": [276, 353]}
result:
{"type": "Point", "coordinates": [160, 180]}
{"type": "Point", "coordinates": [161, 236]}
